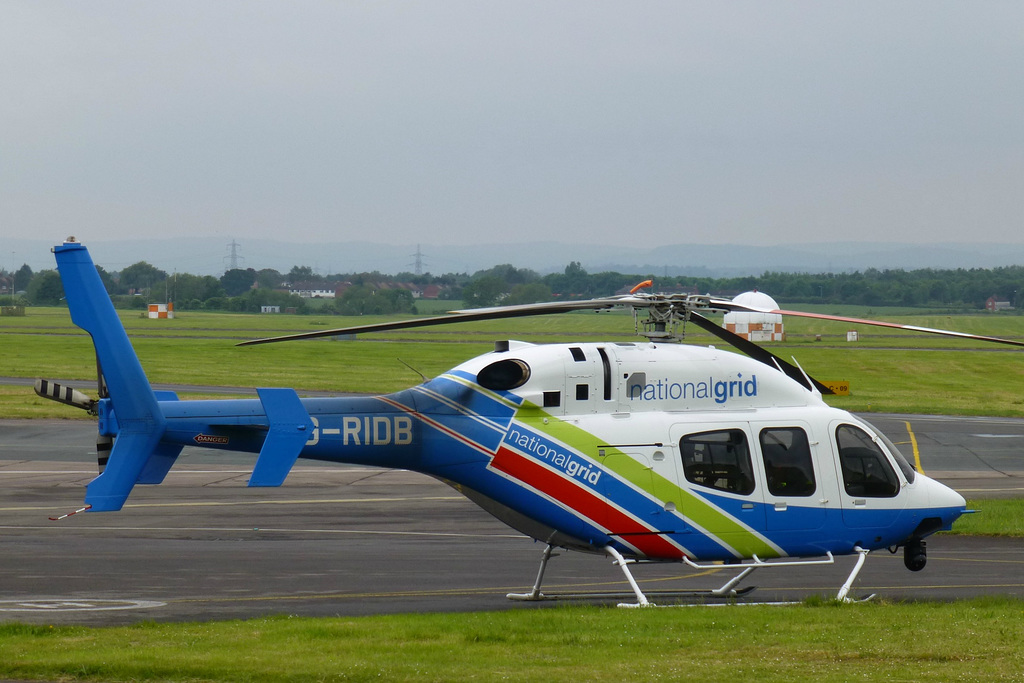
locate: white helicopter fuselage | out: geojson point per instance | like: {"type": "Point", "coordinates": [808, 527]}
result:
{"type": "Point", "coordinates": [675, 450]}
{"type": "Point", "coordinates": [662, 451]}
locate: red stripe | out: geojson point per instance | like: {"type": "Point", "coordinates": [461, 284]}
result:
{"type": "Point", "coordinates": [585, 502]}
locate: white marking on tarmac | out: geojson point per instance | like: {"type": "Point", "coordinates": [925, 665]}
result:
{"type": "Point", "coordinates": [215, 503]}
{"type": "Point", "coordinates": [365, 532]}
{"type": "Point", "coordinates": [75, 605]}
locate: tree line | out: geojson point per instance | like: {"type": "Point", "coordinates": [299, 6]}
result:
{"type": "Point", "coordinates": [965, 289]}
{"type": "Point", "coordinates": [247, 290]}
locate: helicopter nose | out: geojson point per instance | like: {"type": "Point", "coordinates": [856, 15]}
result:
{"type": "Point", "coordinates": [941, 496]}
{"type": "Point", "coordinates": [944, 505]}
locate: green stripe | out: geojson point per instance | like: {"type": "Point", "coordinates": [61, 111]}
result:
{"type": "Point", "coordinates": [479, 389]}
{"type": "Point", "coordinates": [721, 526]}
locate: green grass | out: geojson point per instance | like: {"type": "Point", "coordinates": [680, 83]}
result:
{"type": "Point", "coordinates": [889, 371]}
{"type": "Point", "coordinates": [966, 640]}
{"type": "Point", "coordinates": [992, 517]}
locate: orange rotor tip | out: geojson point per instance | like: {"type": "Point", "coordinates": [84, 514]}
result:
{"type": "Point", "coordinates": [642, 285]}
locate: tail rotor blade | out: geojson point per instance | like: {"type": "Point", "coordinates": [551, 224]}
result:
{"type": "Point", "coordinates": [104, 444]}
{"type": "Point", "coordinates": [101, 381]}
{"type": "Point", "coordinates": [66, 395]}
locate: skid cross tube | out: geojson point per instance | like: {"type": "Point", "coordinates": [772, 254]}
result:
{"type": "Point", "coordinates": [728, 589]}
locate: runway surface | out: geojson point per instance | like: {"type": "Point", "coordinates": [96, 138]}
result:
{"type": "Point", "coordinates": [337, 540]}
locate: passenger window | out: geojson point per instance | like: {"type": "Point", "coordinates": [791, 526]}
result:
{"type": "Point", "coordinates": [787, 461]}
{"type": "Point", "coordinates": [866, 471]}
{"type": "Point", "coordinates": [719, 460]}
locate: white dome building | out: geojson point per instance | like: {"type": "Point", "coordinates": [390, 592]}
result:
{"type": "Point", "coordinates": [756, 327]}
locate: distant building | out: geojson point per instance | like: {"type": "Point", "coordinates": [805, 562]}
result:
{"type": "Point", "coordinates": [756, 326]}
{"type": "Point", "coordinates": [417, 291]}
{"type": "Point", "coordinates": [431, 291]}
{"type": "Point", "coordinates": [992, 305]}
{"type": "Point", "coordinates": [314, 290]}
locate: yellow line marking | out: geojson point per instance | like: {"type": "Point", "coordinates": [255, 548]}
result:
{"type": "Point", "coordinates": [913, 444]}
{"type": "Point", "coordinates": [326, 501]}
{"type": "Point", "coordinates": [551, 588]}
{"type": "Point", "coordinates": [260, 530]}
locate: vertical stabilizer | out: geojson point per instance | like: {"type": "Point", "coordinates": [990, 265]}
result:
{"type": "Point", "coordinates": [140, 421]}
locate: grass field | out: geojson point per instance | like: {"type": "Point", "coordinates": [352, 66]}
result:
{"type": "Point", "coordinates": [995, 517]}
{"type": "Point", "coordinates": [889, 371]}
{"type": "Point", "coordinates": [975, 640]}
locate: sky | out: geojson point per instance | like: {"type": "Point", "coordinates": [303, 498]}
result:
{"type": "Point", "coordinates": [453, 122]}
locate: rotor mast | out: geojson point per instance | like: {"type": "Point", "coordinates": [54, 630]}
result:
{"type": "Point", "coordinates": [665, 314]}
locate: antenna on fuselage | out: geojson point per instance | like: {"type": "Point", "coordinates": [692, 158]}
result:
{"type": "Point", "coordinates": [424, 377]}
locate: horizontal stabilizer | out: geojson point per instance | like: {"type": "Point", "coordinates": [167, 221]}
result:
{"type": "Point", "coordinates": [290, 429]}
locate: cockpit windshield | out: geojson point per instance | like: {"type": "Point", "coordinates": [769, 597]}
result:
{"type": "Point", "coordinates": [909, 472]}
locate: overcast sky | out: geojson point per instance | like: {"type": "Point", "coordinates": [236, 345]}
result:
{"type": "Point", "coordinates": [450, 122]}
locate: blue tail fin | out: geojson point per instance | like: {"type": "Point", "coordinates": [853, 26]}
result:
{"type": "Point", "coordinates": [140, 422]}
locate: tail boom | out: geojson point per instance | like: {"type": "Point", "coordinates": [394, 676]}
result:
{"type": "Point", "coordinates": [149, 429]}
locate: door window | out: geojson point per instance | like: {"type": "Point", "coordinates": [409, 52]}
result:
{"type": "Point", "coordinates": [719, 460]}
{"type": "Point", "coordinates": [787, 461]}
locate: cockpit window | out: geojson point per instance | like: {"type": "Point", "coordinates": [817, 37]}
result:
{"type": "Point", "coordinates": [719, 460]}
{"type": "Point", "coordinates": [787, 461]}
{"type": "Point", "coordinates": [909, 471]}
{"type": "Point", "coordinates": [866, 471]}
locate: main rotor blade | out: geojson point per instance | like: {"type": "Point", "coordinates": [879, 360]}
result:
{"type": "Point", "coordinates": [758, 353]}
{"type": "Point", "coordinates": [680, 305]}
{"type": "Point", "coordinates": [463, 316]}
{"type": "Point", "coordinates": [875, 323]}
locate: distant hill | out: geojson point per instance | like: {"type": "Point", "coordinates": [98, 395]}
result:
{"type": "Point", "coordinates": [211, 256]}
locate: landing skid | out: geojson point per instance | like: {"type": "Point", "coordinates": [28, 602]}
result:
{"type": "Point", "coordinates": [621, 595]}
{"type": "Point", "coordinates": [727, 590]}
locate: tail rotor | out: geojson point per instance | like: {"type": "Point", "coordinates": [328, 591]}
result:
{"type": "Point", "coordinates": [55, 391]}
{"type": "Point", "coordinates": [104, 442]}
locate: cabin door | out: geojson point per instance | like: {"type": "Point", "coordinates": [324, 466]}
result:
{"type": "Point", "coordinates": [868, 485]}
{"type": "Point", "coordinates": [795, 490]}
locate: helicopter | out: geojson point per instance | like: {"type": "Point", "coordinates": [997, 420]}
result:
{"type": "Point", "coordinates": [643, 452]}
